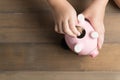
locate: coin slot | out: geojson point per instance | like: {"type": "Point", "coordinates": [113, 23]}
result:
{"type": "Point", "coordinates": [82, 32]}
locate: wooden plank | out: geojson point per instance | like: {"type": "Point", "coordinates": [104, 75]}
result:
{"type": "Point", "coordinates": [38, 75]}
{"type": "Point", "coordinates": [112, 27]}
{"type": "Point", "coordinates": [112, 7]}
{"type": "Point", "coordinates": [28, 35]}
{"type": "Point", "coordinates": [27, 28]}
{"type": "Point", "coordinates": [39, 27]}
{"type": "Point", "coordinates": [7, 6]}
{"type": "Point", "coordinates": [52, 57]}
{"type": "Point", "coordinates": [27, 20]}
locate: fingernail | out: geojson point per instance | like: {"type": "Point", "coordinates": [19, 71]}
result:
{"type": "Point", "coordinates": [79, 34]}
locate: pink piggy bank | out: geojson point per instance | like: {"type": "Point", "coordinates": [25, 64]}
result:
{"type": "Point", "coordinates": [86, 43]}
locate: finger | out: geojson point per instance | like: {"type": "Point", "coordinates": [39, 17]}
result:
{"type": "Point", "coordinates": [101, 37]}
{"type": "Point", "coordinates": [67, 30]}
{"type": "Point", "coordinates": [73, 27]}
{"type": "Point", "coordinates": [56, 28]}
{"type": "Point", "coordinates": [101, 32]}
{"type": "Point", "coordinates": [100, 40]}
{"type": "Point", "coordinates": [76, 21]}
{"type": "Point", "coordinates": [59, 27]}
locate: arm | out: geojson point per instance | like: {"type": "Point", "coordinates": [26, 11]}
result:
{"type": "Point", "coordinates": [54, 3]}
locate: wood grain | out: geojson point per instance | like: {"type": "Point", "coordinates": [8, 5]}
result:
{"type": "Point", "coordinates": [35, 27]}
{"type": "Point", "coordinates": [13, 6]}
{"type": "Point", "coordinates": [28, 41]}
{"type": "Point", "coordinates": [28, 75]}
{"type": "Point", "coordinates": [52, 57]}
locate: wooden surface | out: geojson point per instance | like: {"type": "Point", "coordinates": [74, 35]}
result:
{"type": "Point", "coordinates": [31, 50]}
{"type": "Point", "coordinates": [51, 57]}
{"type": "Point", "coordinates": [45, 75]}
{"type": "Point", "coordinates": [28, 40]}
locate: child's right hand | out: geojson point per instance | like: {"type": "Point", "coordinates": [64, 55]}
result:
{"type": "Point", "coordinates": [95, 14]}
{"type": "Point", "coordinates": [65, 18]}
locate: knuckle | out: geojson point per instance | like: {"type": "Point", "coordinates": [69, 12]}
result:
{"type": "Point", "coordinates": [55, 29]}
{"type": "Point", "coordinates": [61, 32]}
{"type": "Point", "coordinates": [66, 31]}
{"type": "Point", "coordinates": [72, 27]}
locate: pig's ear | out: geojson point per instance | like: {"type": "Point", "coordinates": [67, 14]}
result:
{"type": "Point", "coordinates": [81, 18]}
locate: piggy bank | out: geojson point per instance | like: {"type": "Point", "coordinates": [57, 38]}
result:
{"type": "Point", "coordinates": [86, 43]}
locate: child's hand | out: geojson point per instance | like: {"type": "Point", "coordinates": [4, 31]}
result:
{"type": "Point", "coordinates": [95, 14]}
{"type": "Point", "coordinates": [65, 18]}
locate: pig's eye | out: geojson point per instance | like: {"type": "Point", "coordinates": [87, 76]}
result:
{"type": "Point", "coordinates": [82, 34]}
